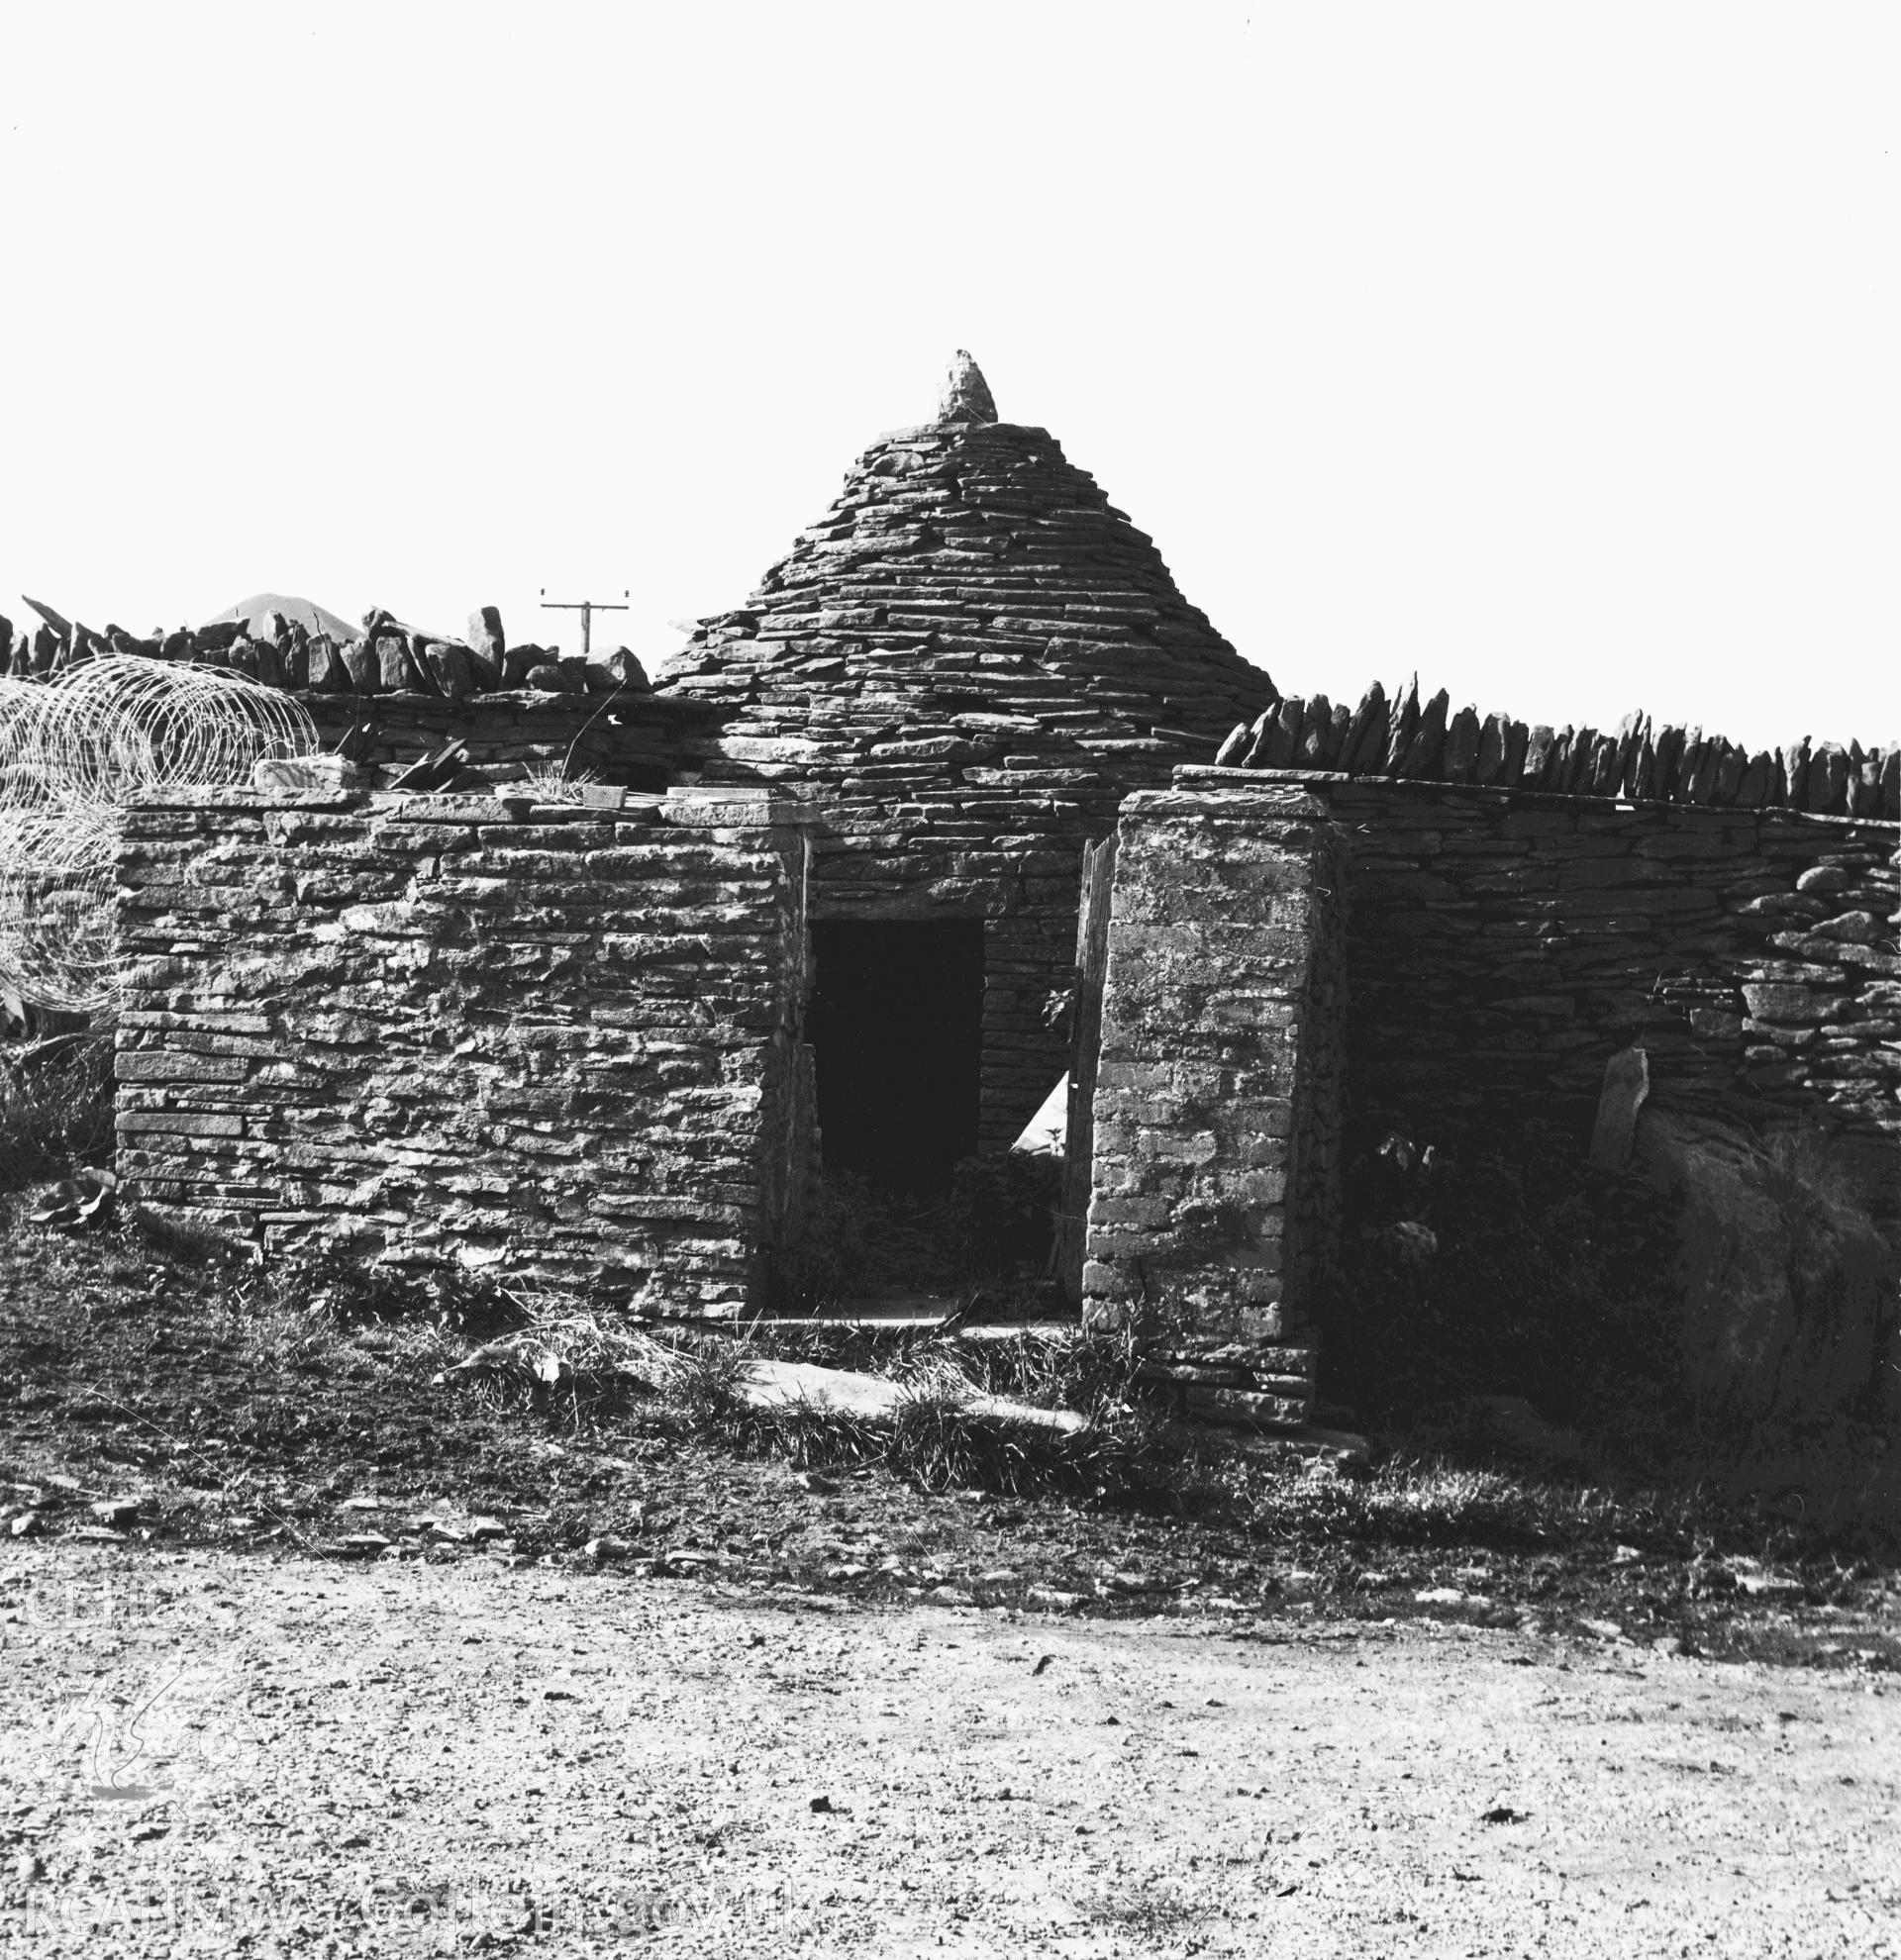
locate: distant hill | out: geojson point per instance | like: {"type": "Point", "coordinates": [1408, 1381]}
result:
{"type": "Point", "coordinates": [305, 611]}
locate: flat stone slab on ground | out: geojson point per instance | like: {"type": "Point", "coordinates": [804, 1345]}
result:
{"type": "Point", "coordinates": [768, 1384]}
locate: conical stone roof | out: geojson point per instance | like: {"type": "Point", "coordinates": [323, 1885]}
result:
{"type": "Point", "coordinates": [965, 664]}
{"type": "Point", "coordinates": [968, 571]}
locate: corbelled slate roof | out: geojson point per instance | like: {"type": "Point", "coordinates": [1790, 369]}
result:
{"type": "Point", "coordinates": [968, 569]}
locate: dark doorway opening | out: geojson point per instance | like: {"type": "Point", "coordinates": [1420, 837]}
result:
{"type": "Point", "coordinates": [896, 1025]}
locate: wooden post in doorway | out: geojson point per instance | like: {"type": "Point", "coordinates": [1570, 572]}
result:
{"type": "Point", "coordinates": [1092, 957]}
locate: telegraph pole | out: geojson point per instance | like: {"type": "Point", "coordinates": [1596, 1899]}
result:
{"type": "Point", "coordinates": [587, 608]}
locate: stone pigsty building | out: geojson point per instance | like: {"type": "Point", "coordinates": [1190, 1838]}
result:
{"type": "Point", "coordinates": [966, 752]}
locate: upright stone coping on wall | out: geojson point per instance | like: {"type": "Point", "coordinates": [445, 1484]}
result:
{"type": "Point", "coordinates": [1217, 1104]}
{"type": "Point", "coordinates": [544, 1039]}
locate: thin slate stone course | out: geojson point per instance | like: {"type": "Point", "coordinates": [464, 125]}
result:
{"type": "Point", "coordinates": [681, 1073]}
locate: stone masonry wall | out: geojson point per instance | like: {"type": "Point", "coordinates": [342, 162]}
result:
{"type": "Point", "coordinates": [547, 1040]}
{"type": "Point", "coordinates": [634, 741]}
{"type": "Point", "coordinates": [1217, 1104]}
{"type": "Point", "coordinates": [1457, 964]}
{"type": "Point", "coordinates": [1502, 945]}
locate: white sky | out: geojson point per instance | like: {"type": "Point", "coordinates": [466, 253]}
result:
{"type": "Point", "coordinates": [1550, 350]}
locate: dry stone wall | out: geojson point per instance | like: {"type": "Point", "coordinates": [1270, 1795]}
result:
{"type": "Point", "coordinates": [1502, 947]}
{"type": "Point", "coordinates": [1217, 1107]}
{"type": "Point", "coordinates": [1301, 962]}
{"type": "Point", "coordinates": [282, 648]}
{"type": "Point", "coordinates": [548, 1040]}
{"type": "Point", "coordinates": [512, 738]}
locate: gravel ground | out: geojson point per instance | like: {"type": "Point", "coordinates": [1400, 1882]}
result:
{"type": "Point", "coordinates": [205, 1751]}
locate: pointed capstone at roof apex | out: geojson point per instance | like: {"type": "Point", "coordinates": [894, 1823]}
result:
{"type": "Point", "coordinates": [965, 395]}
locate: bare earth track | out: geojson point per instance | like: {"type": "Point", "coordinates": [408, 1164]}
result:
{"type": "Point", "coordinates": [408, 1757]}
{"type": "Point", "coordinates": [837, 1713]}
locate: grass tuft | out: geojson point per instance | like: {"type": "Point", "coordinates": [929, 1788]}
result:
{"type": "Point", "coordinates": [556, 782]}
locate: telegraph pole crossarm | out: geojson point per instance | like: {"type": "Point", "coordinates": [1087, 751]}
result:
{"type": "Point", "coordinates": [587, 608]}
